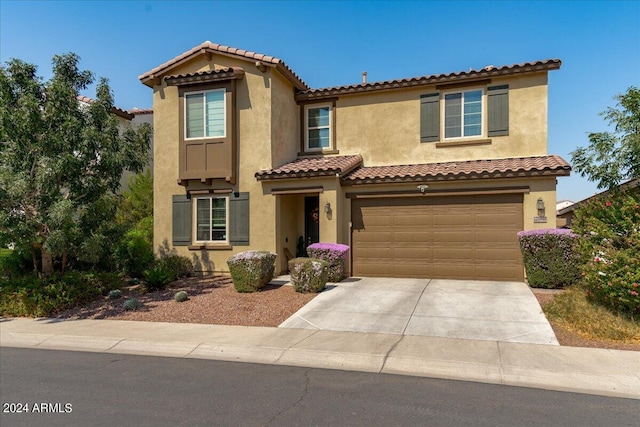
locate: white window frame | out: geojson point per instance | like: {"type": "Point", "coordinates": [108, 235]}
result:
{"type": "Point", "coordinates": [307, 128]}
{"type": "Point", "coordinates": [194, 222]}
{"type": "Point", "coordinates": [483, 113]}
{"type": "Point", "coordinates": [204, 104]}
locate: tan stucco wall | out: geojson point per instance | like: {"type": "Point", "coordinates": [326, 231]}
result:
{"type": "Point", "coordinates": [385, 126]}
{"type": "Point", "coordinates": [253, 98]}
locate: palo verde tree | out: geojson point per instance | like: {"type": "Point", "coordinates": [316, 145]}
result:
{"type": "Point", "coordinates": [61, 162]}
{"type": "Point", "coordinates": [612, 157]}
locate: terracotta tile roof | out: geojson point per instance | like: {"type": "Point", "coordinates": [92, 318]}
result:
{"type": "Point", "coordinates": [209, 47]}
{"type": "Point", "coordinates": [487, 72]}
{"type": "Point", "coordinates": [312, 167]}
{"type": "Point", "coordinates": [139, 111]}
{"type": "Point", "coordinates": [117, 111]}
{"type": "Point", "coordinates": [474, 169]}
{"type": "Point", "coordinates": [218, 74]}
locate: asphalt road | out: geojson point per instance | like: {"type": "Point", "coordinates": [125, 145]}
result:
{"type": "Point", "coordinates": [96, 389]}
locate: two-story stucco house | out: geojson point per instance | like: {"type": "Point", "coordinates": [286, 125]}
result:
{"type": "Point", "coordinates": [429, 176]}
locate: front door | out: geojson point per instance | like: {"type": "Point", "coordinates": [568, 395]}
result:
{"type": "Point", "coordinates": [311, 220]}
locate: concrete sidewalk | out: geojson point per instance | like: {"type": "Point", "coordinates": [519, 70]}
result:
{"type": "Point", "coordinates": [582, 370]}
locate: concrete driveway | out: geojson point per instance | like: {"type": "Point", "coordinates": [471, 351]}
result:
{"type": "Point", "coordinates": [479, 310]}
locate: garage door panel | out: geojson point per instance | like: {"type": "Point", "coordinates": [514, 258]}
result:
{"type": "Point", "coordinates": [455, 236]}
{"type": "Point", "coordinates": [452, 254]}
{"type": "Point", "coordinates": [415, 236]}
{"type": "Point", "coordinates": [462, 237]}
{"type": "Point", "coordinates": [412, 253]}
{"type": "Point", "coordinates": [452, 219]}
{"type": "Point", "coordinates": [496, 237]}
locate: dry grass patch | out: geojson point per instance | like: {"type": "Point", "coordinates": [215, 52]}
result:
{"type": "Point", "coordinates": [571, 311]}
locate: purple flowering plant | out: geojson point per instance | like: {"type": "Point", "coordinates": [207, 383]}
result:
{"type": "Point", "coordinates": [550, 257]}
{"type": "Point", "coordinates": [251, 270]}
{"type": "Point", "coordinates": [335, 254]}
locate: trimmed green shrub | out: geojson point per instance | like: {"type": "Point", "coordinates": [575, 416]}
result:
{"type": "Point", "coordinates": [550, 257]}
{"type": "Point", "coordinates": [609, 227]}
{"type": "Point", "coordinates": [181, 296]}
{"type": "Point", "coordinates": [132, 304]}
{"type": "Point", "coordinates": [115, 294]}
{"type": "Point", "coordinates": [335, 255]}
{"type": "Point", "coordinates": [308, 274]}
{"type": "Point", "coordinates": [157, 278]}
{"type": "Point", "coordinates": [135, 252]}
{"type": "Point", "coordinates": [251, 270]}
{"type": "Point", "coordinates": [178, 266]}
{"type": "Point", "coordinates": [40, 297]}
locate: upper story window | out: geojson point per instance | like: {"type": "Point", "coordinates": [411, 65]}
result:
{"type": "Point", "coordinates": [205, 114]}
{"type": "Point", "coordinates": [211, 219]}
{"type": "Point", "coordinates": [318, 127]}
{"type": "Point", "coordinates": [463, 114]}
{"type": "Point", "coordinates": [469, 115]}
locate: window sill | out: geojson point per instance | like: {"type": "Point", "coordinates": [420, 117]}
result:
{"type": "Point", "coordinates": [442, 144]}
{"type": "Point", "coordinates": [318, 152]}
{"type": "Point", "coordinates": [205, 247]}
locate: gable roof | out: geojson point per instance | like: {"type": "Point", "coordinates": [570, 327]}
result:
{"type": "Point", "coordinates": [626, 186]}
{"type": "Point", "coordinates": [117, 111]}
{"type": "Point", "coordinates": [473, 169]}
{"type": "Point", "coordinates": [471, 75]}
{"type": "Point", "coordinates": [151, 77]}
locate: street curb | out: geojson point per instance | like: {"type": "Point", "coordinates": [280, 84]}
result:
{"type": "Point", "coordinates": [613, 373]}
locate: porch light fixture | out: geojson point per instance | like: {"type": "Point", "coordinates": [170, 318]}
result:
{"type": "Point", "coordinates": [540, 204]}
{"type": "Point", "coordinates": [327, 207]}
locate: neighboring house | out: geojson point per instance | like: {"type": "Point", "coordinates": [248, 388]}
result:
{"type": "Point", "coordinates": [429, 176]}
{"type": "Point", "coordinates": [566, 214]}
{"type": "Point", "coordinates": [561, 204]}
{"type": "Point", "coordinates": [134, 118]}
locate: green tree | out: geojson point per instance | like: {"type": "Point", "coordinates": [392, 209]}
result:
{"type": "Point", "coordinates": [612, 157]}
{"type": "Point", "coordinates": [137, 201]}
{"type": "Point", "coordinates": [61, 162]}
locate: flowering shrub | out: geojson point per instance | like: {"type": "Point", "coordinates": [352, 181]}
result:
{"type": "Point", "coordinates": [251, 270]}
{"type": "Point", "coordinates": [308, 274]}
{"type": "Point", "coordinates": [550, 257]}
{"type": "Point", "coordinates": [335, 255]}
{"type": "Point", "coordinates": [610, 230]}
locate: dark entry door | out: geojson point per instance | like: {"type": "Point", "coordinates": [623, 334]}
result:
{"type": "Point", "coordinates": [311, 220]}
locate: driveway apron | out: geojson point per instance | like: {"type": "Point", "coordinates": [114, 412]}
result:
{"type": "Point", "coordinates": [479, 310]}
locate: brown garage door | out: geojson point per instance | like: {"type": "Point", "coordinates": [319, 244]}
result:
{"type": "Point", "coordinates": [459, 237]}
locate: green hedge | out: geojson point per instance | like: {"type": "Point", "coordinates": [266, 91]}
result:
{"type": "Point", "coordinates": [41, 297]}
{"type": "Point", "coordinates": [252, 270]}
{"type": "Point", "coordinates": [308, 274]}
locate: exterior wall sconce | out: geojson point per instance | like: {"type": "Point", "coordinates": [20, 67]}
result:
{"type": "Point", "coordinates": [327, 207]}
{"type": "Point", "coordinates": [541, 218]}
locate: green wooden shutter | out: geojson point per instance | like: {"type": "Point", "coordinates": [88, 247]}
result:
{"type": "Point", "coordinates": [239, 219]}
{"type": "Point", "coordinates": [430, 117]}
{"type": "Point", "coordinates": [498, 110]}
{"type": "Point", "coordinates": [181, 220]}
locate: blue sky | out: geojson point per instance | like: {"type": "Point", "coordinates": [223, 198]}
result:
{"type": "Point", "coordinates": [331, 43]}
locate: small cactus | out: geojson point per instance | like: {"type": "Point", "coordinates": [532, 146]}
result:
{"type": "Point", "coordinates": [181, 296]}
{"type": "Point", "coordinates": [115, 294]}
{"type": "Point", "coordinates": [132, 304]}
